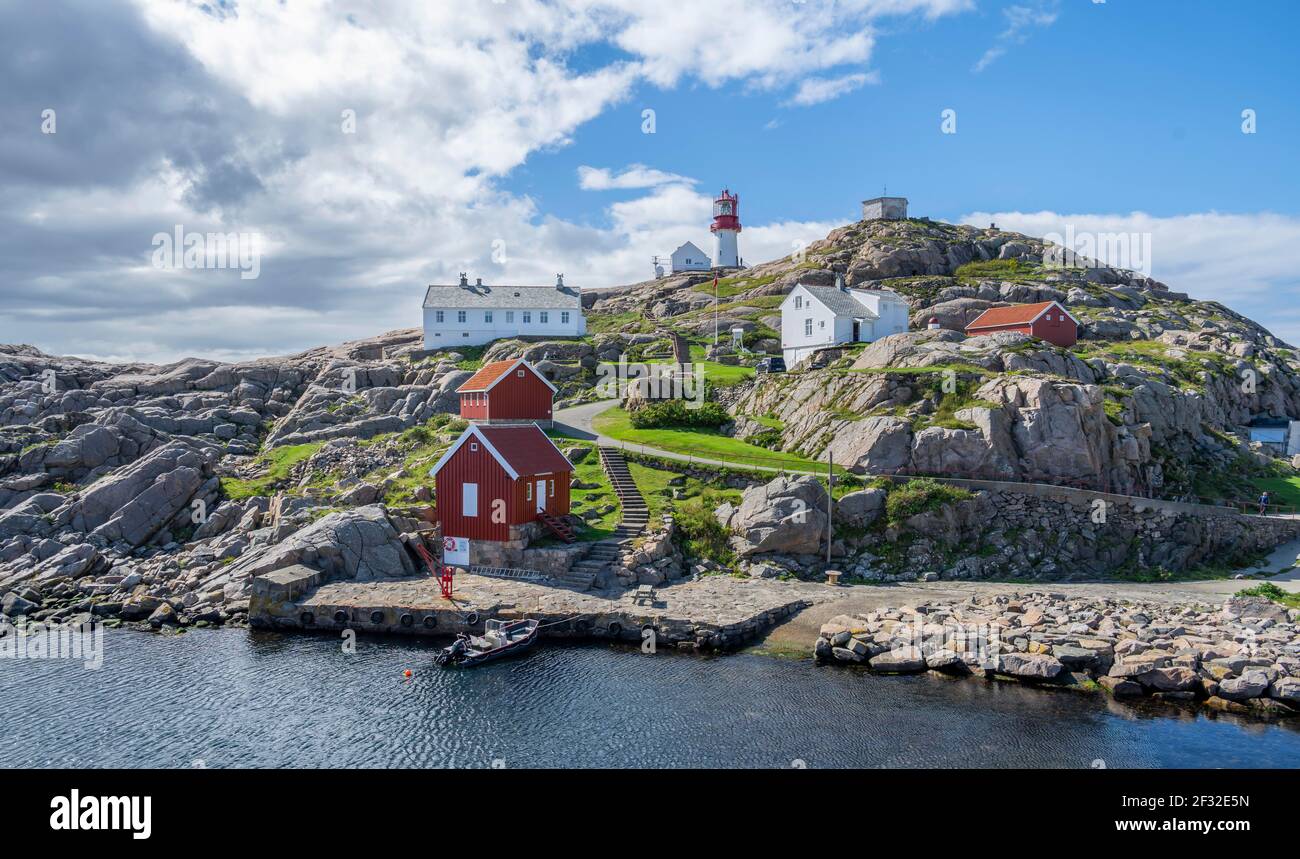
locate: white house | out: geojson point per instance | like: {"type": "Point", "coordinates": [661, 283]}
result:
{"type": "Point", "coordinates": [473, 314]}
{"type": "Point", "coordinates": [689, 257]}
{"type": "Point", "coordinates": [816, 317]}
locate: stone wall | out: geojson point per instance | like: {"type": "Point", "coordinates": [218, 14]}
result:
{"type": "Point", "coordinates": [1056, 532]}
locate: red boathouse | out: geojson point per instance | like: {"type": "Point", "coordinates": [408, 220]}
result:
{"type": "Point", "coordinates": [506, 391]}
{"type": "Point", "coordinates": [495, 478]}
{"type": "Point", "coordinates": [1046, 320]}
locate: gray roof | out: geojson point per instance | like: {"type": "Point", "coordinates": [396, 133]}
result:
{"type": "Point", "coordinates": [521, 297]}
{"type": "Point", "coordinates": [840, 302]}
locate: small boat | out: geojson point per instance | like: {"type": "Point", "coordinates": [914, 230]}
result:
{"type": "Point", "coordinates": [500, 638]}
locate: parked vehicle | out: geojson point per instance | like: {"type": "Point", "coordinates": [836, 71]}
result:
{"type": "Point", "coordinates": [770, 365]}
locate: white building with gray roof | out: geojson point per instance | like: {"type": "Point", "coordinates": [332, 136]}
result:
{"type": "Point", "coordinates": [818, 317]}
{"type": "Point", "coordinates": [471, 314]}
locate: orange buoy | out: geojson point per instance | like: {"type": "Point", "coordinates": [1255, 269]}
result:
{"type": "Point", "coordinates": [406, 673]}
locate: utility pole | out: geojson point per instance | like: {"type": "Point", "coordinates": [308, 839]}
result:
{"type": "Point", "coordinates": [830, 499]}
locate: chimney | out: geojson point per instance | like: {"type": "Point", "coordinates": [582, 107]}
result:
{"type": "Point", "coordinates": [478, 281]}
{"type": "Point", "coordinates": [559, 281]}
{"type": "Point", "coordinates": [464, 281]}
{"type": "Point", "coordinates": [839, 282]}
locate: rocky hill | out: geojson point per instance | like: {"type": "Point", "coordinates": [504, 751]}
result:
{"type": "Point", "coordinates": [1153, 399]}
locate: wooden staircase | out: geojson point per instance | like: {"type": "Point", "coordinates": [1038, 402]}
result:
{"type": "Point", "coordinates": [557, 526]}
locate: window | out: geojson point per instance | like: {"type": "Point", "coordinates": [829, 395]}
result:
{"type": "Point", "coordinates": [460, 316]}
{"type": "Point", "coordinates": [487, 316]}
{"type": "Point", "coordinates": [564, 317]}
{"type": "Point", "coordinates": [469, 499]}
{"type": "Point", "coordinates": [528, 317]}
{"type": "Point", "coordinates": [550, 488]}
{"type": "Point", "coordinates": [519, 373]}
{"type": "Point", "coordinates": [798, 302]}
{"type": "Point", "coordinates": [807, 327]}
{"type": "Point", "coordinates": [473, 446]}
{"type": "Point", "coordinates": [542, 317]}
{"type": "Point", "coordinates": [528, 491]}
{"type": "Point", "coordinates": [510, 316]}
{"type": "Point", "coordinates": [821, 324]}
{"type": "Point", "coordinates": [437, 317]}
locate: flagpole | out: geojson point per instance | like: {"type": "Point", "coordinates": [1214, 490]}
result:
{"type": "Point", "coordinates": [715, 311]}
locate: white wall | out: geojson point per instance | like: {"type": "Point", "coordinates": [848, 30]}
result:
{"type": "Point", "coordinates": [691, 258]}
{"type": "Point", "coordinates": [726, 251]}
{"type": "Point", "coordinates": [795, 343]}
{"type": "Point", "coordinates": [476, 330]}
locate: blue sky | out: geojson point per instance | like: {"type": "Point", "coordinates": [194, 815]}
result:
{"type": "Point", "coordinates": [503, 139]}
{"type": "Point", "coordinates": [1113, 107]}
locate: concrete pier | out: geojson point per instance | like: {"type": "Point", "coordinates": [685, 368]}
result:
{"type": "Point", "coordinates": [714, 613]}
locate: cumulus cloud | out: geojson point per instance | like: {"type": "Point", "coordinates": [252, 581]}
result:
{"type": "Point", "coordinates": [1244, 261]}
{"type": "Point", "coordinates": [1021, 21]}
{"type": "Point", "coordinates": [364, 144]}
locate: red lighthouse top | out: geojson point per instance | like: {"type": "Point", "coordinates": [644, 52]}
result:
{"type": "Point", "coordinates": [726, 212]}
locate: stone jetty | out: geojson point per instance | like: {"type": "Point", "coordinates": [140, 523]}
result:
{"type": "Point", "coordinates": [713, 613]}
{"type": "Point", "coordinates": [1243, 656]}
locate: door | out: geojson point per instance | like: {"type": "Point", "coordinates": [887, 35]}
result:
{"type": "Point", "coordinates": [539, 493]}
{"type": "Point", "coordinates": [857, 331]}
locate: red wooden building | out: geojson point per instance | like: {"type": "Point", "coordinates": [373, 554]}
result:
{"type": "Point", "coordinates": [498, 477]}
{"type": "Point", "coordinates": [506, 391]}
{"type": "Point", "coordinates": [1046, 320]}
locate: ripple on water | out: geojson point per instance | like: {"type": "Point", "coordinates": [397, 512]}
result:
{"type": "Point", "coordinates": [236, 698]}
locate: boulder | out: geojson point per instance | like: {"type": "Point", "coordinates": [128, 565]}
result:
{"type": "Point", "coordinates": [860, 509]}
{"type": "Point", "coordinates": [1251, 684]}
{"type": "Point", "coordinates": [1031, 666]}
{"type": "Point", "coordinates": [786, 515]}
{"type": "Point", "coordinates": [901, 659]}
{"type": "Point", "coordinates": [1238, 607]}
{"type": "Point", "coordinates": [359, 544]}
{"type": "Point", "coordinates": [1175, 679]}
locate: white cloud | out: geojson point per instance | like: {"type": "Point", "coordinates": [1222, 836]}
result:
{"type": "Point", "coordinates": [241, 131]}
{"type": "Point", "coordinates": [1244, 261]}
{"type": "Point", "coordinates": [632, 176]}
{"type": "Point", "coordinates": [1021, 21]}
{"type": "Point", "coordinates": [817, 90]}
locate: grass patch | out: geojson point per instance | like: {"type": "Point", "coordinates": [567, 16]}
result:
{"type": "Point", "coordinates": [921, 495]}
{"type": "Point", "coordinates": [1270, 591]}
{"type": "Point", "coordinates": [278, 463]}
{"type": "Point", "coordinates": [588, 471]}
{"type": "Point", "coordinates": [711, 444]}
{"type": "Point", "coordinates": [1281, 490]}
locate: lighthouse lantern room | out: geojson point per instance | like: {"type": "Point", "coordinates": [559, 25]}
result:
{"type": "Point", "coordinates": [725, 229]}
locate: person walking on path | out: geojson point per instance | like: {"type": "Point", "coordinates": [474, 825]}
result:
{"type": "Point", "coordinates": [1263, 503]}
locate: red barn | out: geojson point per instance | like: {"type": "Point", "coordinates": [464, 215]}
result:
{"type": "Point", "coordinates": [495, 478]}
{"type": "Point", "coordinates": [1046, 320]}
{"type": "Point", "coordinates": [506, 391]}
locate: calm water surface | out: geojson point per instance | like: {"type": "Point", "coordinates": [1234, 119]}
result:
{"type": "Point", "coordinates": [233, 698]}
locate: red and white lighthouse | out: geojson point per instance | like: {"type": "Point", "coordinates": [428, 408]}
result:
{"type": "Point", "coordinates": [725, 229]}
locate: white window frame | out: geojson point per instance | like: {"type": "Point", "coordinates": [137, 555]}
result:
{"type": "Point", "coordinates": [564, 317]}
{"type": "Point", "coordinates": [528, 318]}
{"type": "Point", "coordinates": [460, 317]}
{"type": "Point", "coordinates": [510, 317]}
{"type": "Point", "coordinates": [487, 316]}
{"type": "Point", "coordinates": [807, 327]}
{"type": "Point", "coordinates": [798, 302]}
{"type": "Point", "coordinates": [469, 500]}
{"type": "Point", "coordinates": [438, 316]}
{"type": "Point", "coordinates": [528, 490]}
{"type": "Point", "coordinates": [543, 318]}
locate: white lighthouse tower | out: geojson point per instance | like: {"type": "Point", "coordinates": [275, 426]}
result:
{"type": "Point", "coordinates": [725, 229]}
